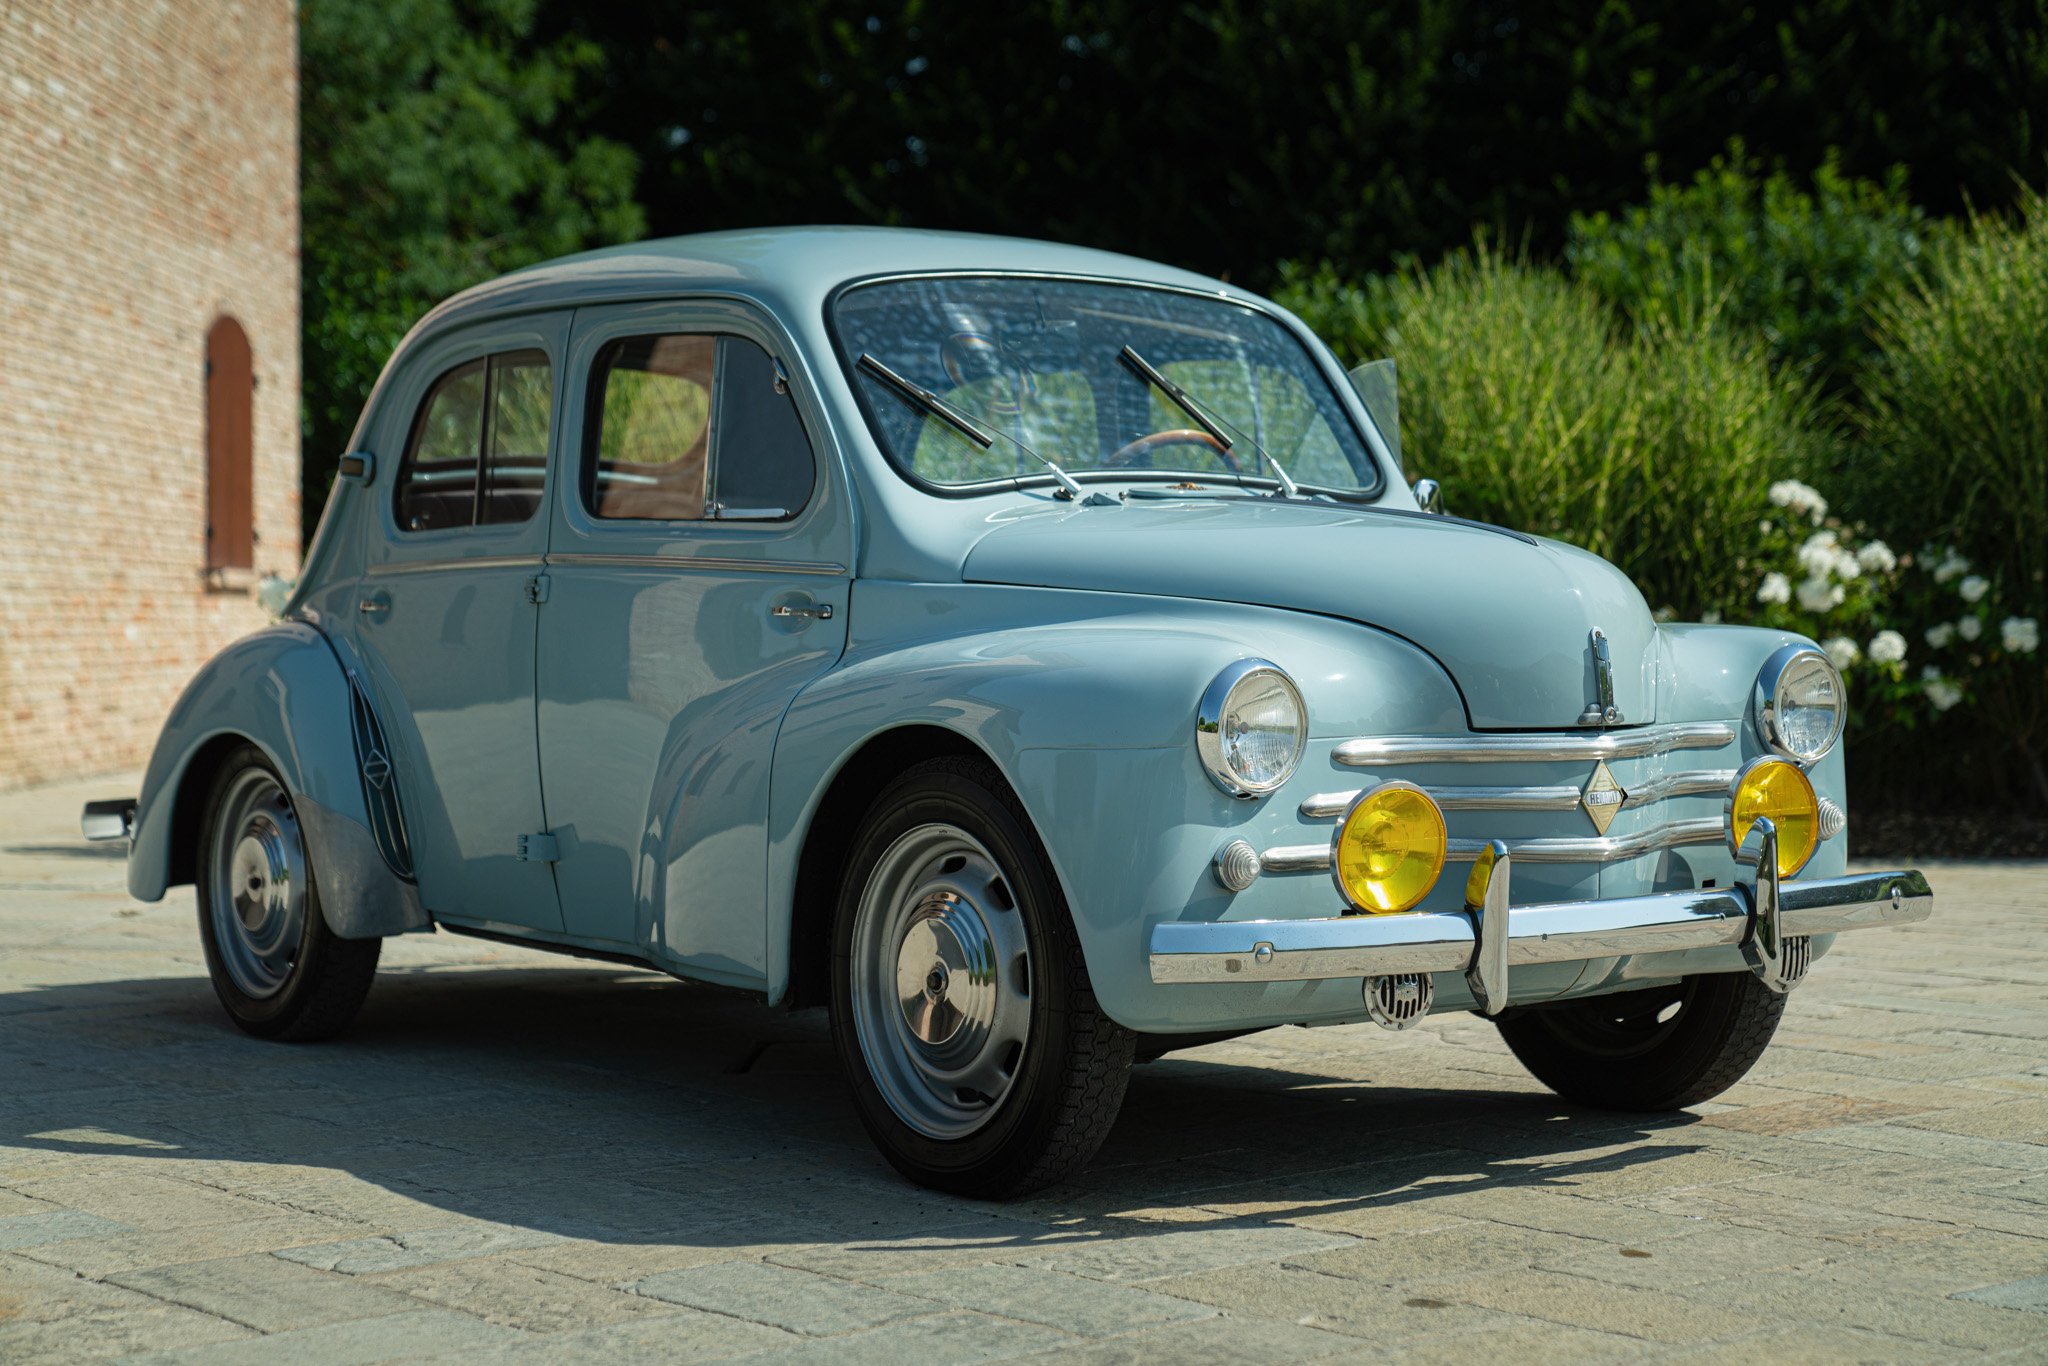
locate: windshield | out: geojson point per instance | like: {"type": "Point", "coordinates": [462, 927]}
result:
{"type": "Point", "coordinates": [1040, 361]}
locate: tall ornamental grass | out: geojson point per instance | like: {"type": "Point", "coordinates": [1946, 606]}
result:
{"type": "Point", "coordinates": [1956, 454]}
{"type": "Point", "coordinates": [1653, 444]}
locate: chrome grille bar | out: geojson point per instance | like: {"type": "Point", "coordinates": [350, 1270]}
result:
{"type": "Point", "coordinates": [1375, 751]}
{"type": "Point", "coordinates": [1714, 781]}
{"type": "Point", "coordinates": [1308, 858]}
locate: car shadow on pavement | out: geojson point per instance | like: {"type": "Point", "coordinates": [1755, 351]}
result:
{"type": "Point", "coordinates": [625, 1108]}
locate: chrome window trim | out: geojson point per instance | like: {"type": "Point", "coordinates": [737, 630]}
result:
{"type": "Point", "coordinates": [1705, 782]}
{"type": "Point", "coordinates": [1209, 723]}
{"type": "Point", "coordinates": [1372, 751]}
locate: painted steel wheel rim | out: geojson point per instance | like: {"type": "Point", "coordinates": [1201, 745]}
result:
{"type": "Point", "coordinates": [941, 981]}
{"type": "Point", "coordinates": [257, 891]}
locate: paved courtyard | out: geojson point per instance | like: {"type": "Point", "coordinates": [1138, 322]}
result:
{"type": "Point", "coordinates": [518, 1156]}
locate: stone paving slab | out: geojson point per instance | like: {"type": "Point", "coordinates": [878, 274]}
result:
{"type": "Point", "coordinates": [518, 1157]}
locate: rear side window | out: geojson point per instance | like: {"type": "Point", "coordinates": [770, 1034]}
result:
{"type": "Point", "coordinates": [479, 448]}
{"type": "Point", "coordinates": [693, 427]}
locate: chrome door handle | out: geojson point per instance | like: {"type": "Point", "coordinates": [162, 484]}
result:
{"type": "Point", "coordinates": [821, 611]}
{"type": "Point", "coordinates": [375, 605]}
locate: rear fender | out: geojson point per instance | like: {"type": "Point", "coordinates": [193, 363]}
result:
{"type": "Point", "coordinates": [284, 690]}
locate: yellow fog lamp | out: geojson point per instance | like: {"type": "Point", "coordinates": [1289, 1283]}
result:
{"type": "Point", "coordinates": [1390, 849]}
{"type": "Point", "coordinates": [1777, 789]}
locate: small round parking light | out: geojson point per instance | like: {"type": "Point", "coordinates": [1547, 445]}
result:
{"type": "Point", "coordinates": [1390, 850]}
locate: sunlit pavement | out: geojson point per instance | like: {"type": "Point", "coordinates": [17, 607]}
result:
{"type": "Point", "coordinates": [516, 1155]}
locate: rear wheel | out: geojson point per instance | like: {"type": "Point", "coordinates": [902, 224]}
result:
{"type": "Point", "coordinates": [1658, 1049]}
{"type": "Point", "coordinates": [961, 1007]}
{"type": "Point", "coordinates": [276, 967]}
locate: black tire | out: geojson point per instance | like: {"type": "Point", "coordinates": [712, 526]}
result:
{"type": "Point", "coordinates": [1068, 1082]}
{"type": "Point", "coordinates": [1616, 1053]}
{"type": "Point", "coordinates": [323, 978]}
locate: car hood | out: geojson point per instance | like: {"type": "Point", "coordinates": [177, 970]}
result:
{"type": "Point", "coordinates": [1507, 615]}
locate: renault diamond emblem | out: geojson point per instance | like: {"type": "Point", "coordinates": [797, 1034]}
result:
{"type": "Point", "coordinates": [1602, 797]}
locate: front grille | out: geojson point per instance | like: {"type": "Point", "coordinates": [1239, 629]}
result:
{"type": "Point", "coordinates": [1647, 778]}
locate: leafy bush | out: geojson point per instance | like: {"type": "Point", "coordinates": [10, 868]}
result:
{"type": "Point", "coordinates": [1652, 445]}
{"type": "Point", "coordinates": [1801, 268]}
{"type": "Point", "coordinates": [1957, 452]}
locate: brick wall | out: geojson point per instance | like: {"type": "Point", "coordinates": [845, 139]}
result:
{"type": "Point", "coordinates": [148, 184]}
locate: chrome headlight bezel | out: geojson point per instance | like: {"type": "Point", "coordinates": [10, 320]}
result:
{"type": "Point", "coordinates": [1216, 704]}
{"type": "Point", "coordinates": [1785, 665]}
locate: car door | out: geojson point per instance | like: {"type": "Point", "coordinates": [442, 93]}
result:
{"type": "Point", "coordinates": [445, 618]}
{"type": "Point", "coordinates": [698, 576]}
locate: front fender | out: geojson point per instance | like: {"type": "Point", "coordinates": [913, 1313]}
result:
{"type": "Point", "coordinates": [1088, 712]}
{"type": "Point", "coordinates": [284, 691]}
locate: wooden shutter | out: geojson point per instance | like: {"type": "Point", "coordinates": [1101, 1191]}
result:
{"type": "Point", "coordinates": [230, 448]}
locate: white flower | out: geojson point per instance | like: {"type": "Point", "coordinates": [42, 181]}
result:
{"type": "Point", "coordinates": [1940, 691]}
{"type": "Point", "coordinates": [1799, 498]}
{"type": "Point", "coordinates": [1877, 557]}
{"type": "Point", "coordinates": [272, 593]}
{"type": "Point", "coordinates": [1887, 647]}
{"type": "Point", "coordinates": [1817, 556]}
{"type": "Point", "coordinates": [1974, 588]}
{"type": "Point", "coordinates": [1776, 588]}
{"type": "Point", "coordinates": [1764, 526]}
{"type": "Point", "coordinates": [2022, 635]}
{"type": "Point", "coordinates": [1939, 636]}
{"type": "Point", "coordinates": [1819, 595]}
{"type": "Point", "coordinates": [1847, 566]}
{"type": "Point", "coordinates": [1969, 628]}
{"type": "Point", "coordinates": [1952, 566]}
{"type": "Point", "coordinates": [1842, 650]}
{"type": "Point", "coordinates": [1665, 613]}
{"type": "Point", "coordinates": [1711, 617]}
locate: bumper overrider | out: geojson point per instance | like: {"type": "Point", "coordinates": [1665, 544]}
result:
{"type": "Point", "coordinates": [1765, 923]}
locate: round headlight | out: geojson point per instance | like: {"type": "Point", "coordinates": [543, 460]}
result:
{"type": "Point", "coordinates": [1804, 705]}
{"type": "Point", "coordinates": [1390, 849]}
{"type": "Point", "coordinates": [1250, 728]}
{"type": "Point", "coordinates": [1771, 787]}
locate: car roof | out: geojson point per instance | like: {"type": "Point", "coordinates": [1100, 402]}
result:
{"type": "Point", "coordinates": [797, 266]}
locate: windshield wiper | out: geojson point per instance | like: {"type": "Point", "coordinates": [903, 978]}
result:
{"type": "Point", "coordinates": [1213, 426]}
{"type": "Point", "coordinates": [960, 422]}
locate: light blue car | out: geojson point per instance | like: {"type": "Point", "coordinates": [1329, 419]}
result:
{"type": "Point", "coordinates": [1030, 654]}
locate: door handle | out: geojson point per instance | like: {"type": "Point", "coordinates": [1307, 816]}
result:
{"type": "Point", "coordinates": [376, 604]}
{"type": "Point", "coordinates": [792, 611]}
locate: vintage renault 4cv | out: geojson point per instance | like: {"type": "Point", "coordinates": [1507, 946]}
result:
{"type": "Point", "coordinates": [1031, 654]}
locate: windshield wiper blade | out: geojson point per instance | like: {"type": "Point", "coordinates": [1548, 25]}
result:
{"type": "Point", "coordinates": [1213, 426]}
{"type": "Point", "coordinates": [981, 436]}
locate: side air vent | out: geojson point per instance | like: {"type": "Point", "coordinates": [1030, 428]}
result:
{"type": "Point", "coordinates": [380, 781]}
{"type": "Point", "coordinates": [1399, 1002]}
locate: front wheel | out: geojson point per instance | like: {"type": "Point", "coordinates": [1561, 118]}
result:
{"type": "Point", "coordinates": [1658, 1049]}
{"type": "Point", "coordinates": [276, 967]}
{"type": "Point", "coordinates": [961, 1007]}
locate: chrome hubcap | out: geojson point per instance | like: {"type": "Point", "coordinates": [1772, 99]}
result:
{"type": "Point", "coordinates": [941, 981]}
{"type": "Point", "coordinates": [257, 891]}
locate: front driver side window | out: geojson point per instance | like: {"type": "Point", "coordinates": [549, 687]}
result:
{"type": "Point", "coordinates": [693, 427]}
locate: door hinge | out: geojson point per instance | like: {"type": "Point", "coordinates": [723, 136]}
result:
{"type": "Point", "coordinates": [541, 848]}
{"type": "Point", "coordinates": [537, 589]}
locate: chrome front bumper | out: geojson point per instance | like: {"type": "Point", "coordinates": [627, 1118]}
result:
{"type": "Point", "coordinates": [1487, 942]}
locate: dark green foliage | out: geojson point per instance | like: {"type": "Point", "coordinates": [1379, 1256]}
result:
{"type": "Point", "coordinates": [435, 156]}
{"type": "Point", "coordinates": [1800, 267]}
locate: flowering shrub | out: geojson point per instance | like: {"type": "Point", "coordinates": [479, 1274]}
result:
{"type": "Point", "coordinates": [1916, 636]}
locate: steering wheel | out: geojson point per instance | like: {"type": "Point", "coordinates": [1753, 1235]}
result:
{"type": "Point", "coordinates": [1138, 454]}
